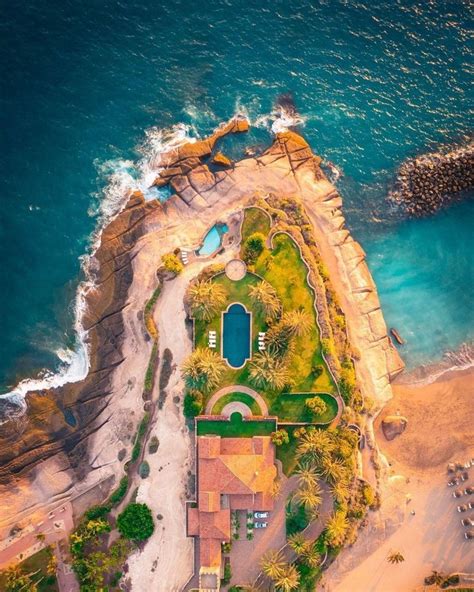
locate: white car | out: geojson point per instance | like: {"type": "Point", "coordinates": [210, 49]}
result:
{"type": "Point", "coordinates": [260, 525]}
{"type": "Point", "coordinates": [261, 515]}
{"type": "Point", "coordinates": [462, 508]}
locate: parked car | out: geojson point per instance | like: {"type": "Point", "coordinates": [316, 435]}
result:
{"type": "Point", "coordinates": [260, 525]}
{"type": "Point", "coordinates": [457, 493]}
{"type": "Point", "coordinates": [463, 508]}
{"type": "Point", "coordinates": [261, 514]}
{"type": "Point", "coordinates": [459, 466]}
{"type": "Point", "coordinates": [453, 482]}
{"type": "Point", "coordinates": [464, 476]}
{"type": "Point", "coordinates": [467, 522]}
{"type": "Point", "coordinates": [469, 490]}
{"type": "Point", "coordinates": [470, 505]}
{"type": "Point", "coordinates": [451, 468]}
{"type": "Point", "coordinates": [469, 534]}
{"type": "Point", "coordinates": [467, 464]}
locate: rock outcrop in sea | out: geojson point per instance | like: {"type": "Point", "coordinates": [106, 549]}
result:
{"type": "Point", "coordinates": [429, 182]}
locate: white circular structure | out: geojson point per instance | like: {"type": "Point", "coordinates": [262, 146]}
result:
{"type": "Point", "coordinates": [235, 269]}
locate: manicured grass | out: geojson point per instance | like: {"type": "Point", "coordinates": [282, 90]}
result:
{"type": "Point", "coordinates": [235, 427]}
{"type": "Point", "coordinates": [241, 398]}
{"type": "Point", "coordinates": [286, 453]}
{"type": "Point", "coordinates": [284, 269]}
{"type": "Point", "coordinates": [255, 220]}
{"type": "Point", "coordinates": [36, 564]}
{"type": "Point", "coordinates": [291, 407]}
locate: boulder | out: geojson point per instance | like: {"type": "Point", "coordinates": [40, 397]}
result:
{"type": "Point", "coordinates": [393, 426]}
{"type": "Point", "coordinates": [221, 159]}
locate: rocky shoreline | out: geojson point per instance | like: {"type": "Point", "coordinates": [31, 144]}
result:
{"type": "Point", "coordinates": [430, 182]}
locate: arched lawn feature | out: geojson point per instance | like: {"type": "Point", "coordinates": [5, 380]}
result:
{"type": "Point", "coordinates": [239, 397]}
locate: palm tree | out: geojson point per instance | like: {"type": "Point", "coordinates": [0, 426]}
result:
{"type": "Point", "coordinates": [298, 321]}
{"type": "Point", "coordinates": [279, 340]}
{"type": "Point", "coordinates": [288, 580]}
{"type": "Point", "coordinates": [340, 491]}
{"type": "Point", "coordinates": [16, 580]}
{"type": "Point", "coordinates": [298, 543]}
{"type": "Point", "coordinates": [336, 528]}
{"type": "Point", "coordinates": [307, 475]}
{"type": "Point", "coordinates": [273, 564]}
{"type": "Point", "coordinates": [315, 445]}
{"type": "Point", "coordinates": [309, 497]}
{"type": "Point", "coordinates": [311, 556]}
{"type": "Point", "coordinates": [206, 299]}
{"type": "Point", "coordinates": [334, 470]}
{"type": "Point", "coordinates": [395, 557]}
{"type": "Point", "coordinates": [268, 372]}
{"type": "Point", "coordinates": [265, 298]}
{"type": "Point", "coordinates": [203, 369]}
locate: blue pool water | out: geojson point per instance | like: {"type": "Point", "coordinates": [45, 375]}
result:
{"type": "Point", "coordinates": [92, 90]}
{"type": "Point", "coordinates": [236, 337]}
{"type": "Point", "coordinates": [212, 240]}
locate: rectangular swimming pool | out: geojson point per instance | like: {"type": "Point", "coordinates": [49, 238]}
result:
{"type": "Point", "coordinates": [236, 335]}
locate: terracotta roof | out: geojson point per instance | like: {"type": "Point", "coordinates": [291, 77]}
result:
{"type": "Point", "coordinates": [241, 502]}
{"type": "Point", "coordinates": [215, 525]}
{"type": "Point", "coordinates": [209, 501]}
{"type": "Point", "coordinates": [210, 552]}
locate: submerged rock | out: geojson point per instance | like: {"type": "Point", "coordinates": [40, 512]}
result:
{"type": "Point", "coordinates": [393, 426]}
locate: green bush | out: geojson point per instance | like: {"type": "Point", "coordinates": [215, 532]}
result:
{"type": "Point", "coordinates": [316, 405]}
{"type": "Point", "coordinates": [98, 512]}
{"type": "Point", "coordinates": [144, 469]}
{"type": "Point", "coordinates": [118, 495]}
{"type": "Point", "coordinates": [253, 247]}
{"type": "Point", "coordinates": [227, 573]}
{"type": "Point", "coordinates": [296, 520]}
{"type": "Point", "coordinates": [136, 522]}
{"type": "Point", "coordinates": [172, 263]}
{"type": "Point", "coordinates": [280, 437]}
{"type": "Point", "coordinates": [192, 403]}
{"type": "Point", "coordinates": [316, 371]}
{"type": "Point", "coordinates": [153, 445]}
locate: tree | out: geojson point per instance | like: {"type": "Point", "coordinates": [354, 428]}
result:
{"type": "Point", "coordinates": [192, 403]}
{"type": "Point", "coordinates": [298, 321]}
{"type": "Point", "coordinates": [279, 340]}
{"type": "Point", "coordinates": [136, 522]}
{"type": "Point", "coordinates": [268, 372]}
{"type": "Point", "coordinates": [298, 543]}
{"type": "Point", "coordinates": [172, 263]}
{"type": "Point", "coordinates": [307, 475]}
{"type": "Point", "coordinates": [316, 405]}
{"type": "Point", "coordinates": [272, 564]}
{"type": "Point", "coordinates": [311, 556]}
{"type": "Point", "coordinates": [334, 470]}
{"type": "Point", "coordinates": [206, 299]}
{"type": "Point", "coordinates": [265, 299]}
{"type": "Point", "coordinates": [253, 247]}
{"type": "Point", "coordinates": [288, 580]}
{"type": "Point", "coordinates": [315, 445]}
{"type": "Point", "coordinates": [280, 437]}
{"type": "Point", "coordinates": [340, 491]}
{"type": "Point", "coordinates": [203, 369]}
{"type": "Point", "coordinates": [336, 529]}
{"type": "Point", "coordinates": [309, 497]}
{"type": "Point", "coordinates": [395, 557]}
{"type": "Point", "coordinates": [18, 581]}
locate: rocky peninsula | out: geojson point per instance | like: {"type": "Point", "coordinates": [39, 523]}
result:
{"type": "Point", "coordinates": [71, 442]}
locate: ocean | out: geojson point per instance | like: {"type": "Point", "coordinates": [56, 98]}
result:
{"type": "Point", "coordinates": [92, 91]}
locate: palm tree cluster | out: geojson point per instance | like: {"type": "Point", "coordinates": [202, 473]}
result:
{"type": "Point", "coordinates": [203, 369]}
{"type": "Point", "coordinates": [305, 550]}
{"type": "Point", "coordinates": [265, 299]}
{"type": "Point", "coordinates": [267, 371]}
{"type": "Point", "coordinates": [284, 575]}
{"type": "Point", "coordinates": [206, 299]}
{"type": "Point", "coordinates": [309, 491]}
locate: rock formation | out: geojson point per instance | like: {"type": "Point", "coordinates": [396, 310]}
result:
{"type": "Point", "coordinates": [430, 182]}
{"type": "Point", "coordinates": [393, 426]}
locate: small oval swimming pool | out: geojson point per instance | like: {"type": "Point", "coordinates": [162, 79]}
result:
{"type": "Point", "coordinates": [212, 240]}
{"type": "Point", "coordinates": [236, 335]}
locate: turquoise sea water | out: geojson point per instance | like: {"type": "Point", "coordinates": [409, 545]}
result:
{"type": "Point", "coordinates": [87, 87]}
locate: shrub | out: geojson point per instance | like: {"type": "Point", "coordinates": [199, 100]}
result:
{"type": "Point", "coordinates": [296, 520]}
{"type": "Point", "coordinates": [316, 371]}
{"type": "Point", "coordinates": [192, 403]}
{"type": "Point", "coordinates": [368, 494]}
{"type": "Point", "coordinates": [144, 469]}
{"type": "Point", "coordinates": [227, 573]}
{"type": "Point", "coordinates": [172, 263]}
{"type": "Point", "coordinates": [280, 437]}
{"type": "Point", "coordinates": [136, 522]}
{"type": "Point", "coordinates": [253, 247]}
{"type": "Point", "coordinates": [97, 512]}
{"type": "Point", "coordinates": [118, 495]}
{"type": "Point", "coordinates": [136, 451]}
{"type": "Point", "coordinates": [153, 445]}
{"type": "Point", "coordinates": [316, 405]}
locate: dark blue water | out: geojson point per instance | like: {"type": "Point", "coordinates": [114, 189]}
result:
{"type": "Point", "coordinates": [236, 337]}
{"type": "Point", "coordinates": [82, 83]}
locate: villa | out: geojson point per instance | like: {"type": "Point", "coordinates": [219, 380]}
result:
{"type": "Point", "coordinates": [232, 474]}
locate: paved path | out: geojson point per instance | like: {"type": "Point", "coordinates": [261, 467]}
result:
{"type": "Point", "coordinates": [237, 388]}
{"type": "Point", "coordinates": [236, 406]}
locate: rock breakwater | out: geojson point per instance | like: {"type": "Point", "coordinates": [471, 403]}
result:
{"type": "Point", "coordinates": [430, 182]}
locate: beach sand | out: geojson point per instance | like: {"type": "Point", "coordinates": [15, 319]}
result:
{"type": "Point", "coordinates": [439, 430]}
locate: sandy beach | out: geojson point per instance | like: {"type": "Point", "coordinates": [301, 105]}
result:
{"type": "Point", "coordinates": [439, 430]}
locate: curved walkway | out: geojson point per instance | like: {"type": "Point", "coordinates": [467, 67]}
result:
{"type": "Point", "coordinates": [237, 388]}
{"type": "Point", "coordinates": [236, 407]}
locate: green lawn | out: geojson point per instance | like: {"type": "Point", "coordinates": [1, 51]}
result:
{"type": "Point", "coordinates": [241, 398]}
{"type": "Point", "coordinates": [291, 407]}
{"type": "Point", "coordinates": [286, 453]}
{"type": "Point", "coordinates": [235, 427]}
{"type": "Point", "coordinates": [255, 220]}
{"type": "Point", "coordinates": [284, 269]}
